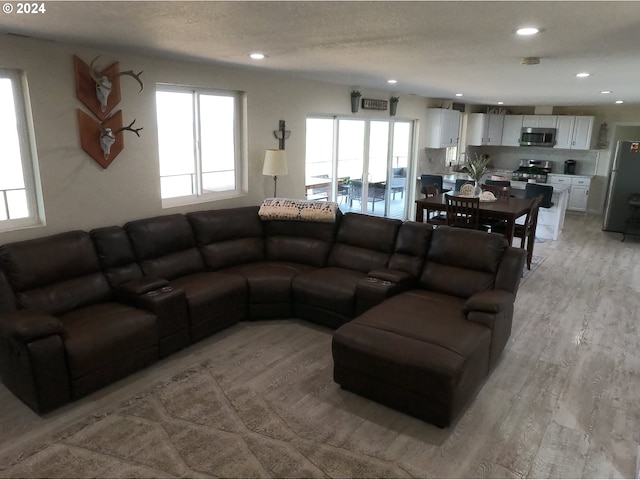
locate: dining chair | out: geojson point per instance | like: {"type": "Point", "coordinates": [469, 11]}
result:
{"type": "Point", "coordinates": [501, 183]}
{"type": "Point", "coordinates": [526, 232]}
{"type": "Point", "coordinates": [343, 188]}
{"type": "Point", "coordinates": [434, 217]}
{"type": "Point", "coordinates": [532, 190]}
{"type": "Point", "coordinates": [463, 212]}
{"type": "Point", "coordinates": [426, 179]}
{"type": "Point", "coordinates": [500, 191]}
{"type": "Point", "coordinates": [460, 183]}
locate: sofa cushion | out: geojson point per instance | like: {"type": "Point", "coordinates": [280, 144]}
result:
{"type": "Point", "coordinates": [411, 247]}
{"type": "Point", "coordinates": [299, 242]}
{"type": "Point", "coordinates": [105, 342]}
{"type": "Point", "coordinates": [215, 300]}
{"type": "Point", "coordinates": [462, 262]}
{"type": "Point", "coordinates": [330, 288]}
{"type": "Point", "coordinates": [228, 237]}
{"type": "Point", "coordinates": [55, 274]}
{"type": "Point", "coordinates": [364, 242]}
{"type": "Point", "coordinates": [165, 246]}
{"type": "Point", "coordinates": [419, 345]}
{"type": "Point", "coordinates": [115, 252]}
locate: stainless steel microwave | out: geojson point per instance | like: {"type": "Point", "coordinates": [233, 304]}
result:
{"type": "Point", "coordinates": [537, 137]}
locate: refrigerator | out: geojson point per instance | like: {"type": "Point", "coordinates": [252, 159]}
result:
{"type": "Point", "coordinates": [624, 180]}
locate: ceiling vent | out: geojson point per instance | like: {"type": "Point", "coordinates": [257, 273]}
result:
{"type": "Point", "coordinates": [530, 60]}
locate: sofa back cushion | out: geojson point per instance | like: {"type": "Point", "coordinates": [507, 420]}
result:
{"type": "Point", "coordinates": [462, 262]}
{"type": "Point", "coordinates": [299, 241]}
{"type": "Point", "coordinates": [165, 246]}
{"type": "Point", "coordinates": [228, 237]}
{"type": "Point", "coordinates": [411, 247]}
{"type": "Point", "coordinates": [55, 274]}
{"type": "Point", "coordinates": [115, 254]}
{"type": "Point", "coordinates": [364, 242]}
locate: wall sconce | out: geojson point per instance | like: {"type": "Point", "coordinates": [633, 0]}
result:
{"type": "Point", "coordinates": [275, 163]}
{"type": "Point", "coordinates": [281, 134]}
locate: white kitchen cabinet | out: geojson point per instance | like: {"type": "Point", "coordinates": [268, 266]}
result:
{"type": "Point", "coordinates": [578, 190]}
{"type": "Point", "coordinates": [539, 121]}
{"type": "Point", "coordinates": [582, 129]}
{"type": "Point", "coordinates": [564, 131]}
{"type": "Point", "coordinates": [511, 130]}
{"type": "Point", "coordinates": [484, 129]}
{"type": "Point", "coordinates": [442, 128]}
{"type": "Point", "coordinates": [574, 132]}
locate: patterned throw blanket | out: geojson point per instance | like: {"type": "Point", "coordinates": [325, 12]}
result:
{"type": "Point", "coordinates": [291, 209]}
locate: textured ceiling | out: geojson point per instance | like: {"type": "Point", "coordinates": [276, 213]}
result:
{"type": "Point", "coordinates": [434, 49]}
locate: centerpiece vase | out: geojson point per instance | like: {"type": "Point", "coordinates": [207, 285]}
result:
{"type": "Point", "coordinates": [477, 189]}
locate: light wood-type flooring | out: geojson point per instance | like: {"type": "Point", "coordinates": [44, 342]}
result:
{"type": "Point", "coordinates": [564, 401]}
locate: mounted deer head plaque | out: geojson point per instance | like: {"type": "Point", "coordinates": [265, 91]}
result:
{"type": "Point", "coordinates": [99, 91]}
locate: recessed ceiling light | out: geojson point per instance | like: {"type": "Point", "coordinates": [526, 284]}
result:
{"type": "Point", "coordinates": [583, 75]}
{"type": "Point", "coordinates": [619, 101]}
{"type": "Point", "coordinates": [392, 81]}
{"type": "Point", "coordinates": [524, 31]}
{"type": "Point", "coordinates": [458, 94]}
{"type": "Point", "coordinates": [606, 92]}
{"type": "Point", "coordinates": [257, 56]}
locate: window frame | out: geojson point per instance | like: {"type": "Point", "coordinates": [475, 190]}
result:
{"type": "Point", "coordinates": [28, 154]}
{"type": "Point", "coordinates": [240, 149]}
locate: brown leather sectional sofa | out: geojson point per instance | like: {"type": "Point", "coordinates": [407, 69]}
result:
{"type": "Point", "coordinates": [422, 314]}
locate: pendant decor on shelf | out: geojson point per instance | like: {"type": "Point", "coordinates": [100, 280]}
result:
{"type": "Point", "coordinates": [355, 101]}
{"type": "Point", "coordinates": [603, 137]}
{"type": "Point", "coordinates": [393, 106]}
{"type": "Point", "coordinates": [99, 90]}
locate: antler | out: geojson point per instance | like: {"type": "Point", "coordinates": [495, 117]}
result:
{"type": "Point", "coordinates": [128, 127]}
{"type": "Point", "coordinates": [134, 75]}
{"type": "Point", "coordinates": [95, 74]}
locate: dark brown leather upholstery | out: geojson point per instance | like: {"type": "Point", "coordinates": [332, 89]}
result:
{"type": "Point", "coordinates": [67, 338]}
{"type": "Point", "coordinates": [432, 308]}
{"type": "Point", "coordinates": [328, 295]}
{"type": "Point", "coordinates": [165, 247]}
{"type": "Point", "coordinates": [152, 294]}
{"type": "Point", "coordinates": [267, 254]}
{"type": "Point", "coordinates": [426, 351]}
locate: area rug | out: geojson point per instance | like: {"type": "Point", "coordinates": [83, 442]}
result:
{"type": "Point", "coordinates": [536, 261]}
{"type": "Point", "coordinates": [196, 424]}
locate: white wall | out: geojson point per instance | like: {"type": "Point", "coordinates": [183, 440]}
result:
{"type": "Point", "coordinates": [79, 194]}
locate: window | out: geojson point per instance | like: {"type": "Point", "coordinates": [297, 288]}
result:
{"type": "Point", "coordinates": [199, 143]}
{"type": "Point", "coordinates": [19, 190]}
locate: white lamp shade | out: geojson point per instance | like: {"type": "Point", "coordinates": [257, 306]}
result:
{"type": "Point", "coordinates": [275, 163]}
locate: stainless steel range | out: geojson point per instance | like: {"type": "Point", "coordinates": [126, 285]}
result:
{"type": "Point", "coordinates": [535, 170]}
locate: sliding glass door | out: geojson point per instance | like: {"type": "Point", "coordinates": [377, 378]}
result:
{"type": "Point", "coordinates": [361, 164]}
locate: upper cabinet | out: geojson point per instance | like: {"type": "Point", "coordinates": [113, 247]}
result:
{"type": "Point", "coordinates": [485, 129]}
{"type": "Point", "coordinates": [442, 128]}
{"type": "Point", "coordinates": [574, 132]}
{"type": "Point", "coordinates": [511, 130]}
{"type": "Point", "coordinates": [539, 121]}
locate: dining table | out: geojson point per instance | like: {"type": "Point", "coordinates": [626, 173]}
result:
{"type": "Point", "coordinates": [508, 209]}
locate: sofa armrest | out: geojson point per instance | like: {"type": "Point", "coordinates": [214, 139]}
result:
{"type": "Point", "coordinates": [489, 301]}
{"type": "Point", "coordinates": [380, 285]}
{"type": "Point", "coordinates": [494, 310]}
{"type": "Point", "coordinates": [33, 362]}
{"type": "Point", "coordinates": [141, 285]}
{"type": "Point", "coordinates": [168, 303]}
{"type": "Point", "coordinates": [27, 325]}
{"type": "Point", "coordinates": [391, 275]}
